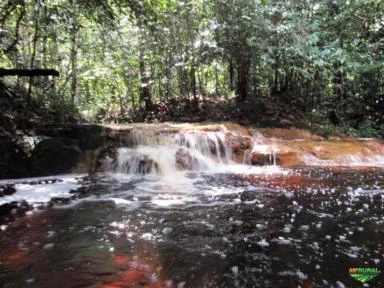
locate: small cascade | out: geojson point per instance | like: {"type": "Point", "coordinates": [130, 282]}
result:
{"type": "Point", "coordinates": [168, 148]}
{"type": "Point", "coordinates": [134, 161]}
{"type": "Point", "coordinates": [264, 146]}
{"type": "Point", "coordinates": [166, 151]}
{"type": "Point", "coordinates": [210, 144]}
{"type": "Point", "coordinates": [272, 153]}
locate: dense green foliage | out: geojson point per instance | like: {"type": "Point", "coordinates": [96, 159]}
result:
{"type": "Point", "coordinates": [325, 58]}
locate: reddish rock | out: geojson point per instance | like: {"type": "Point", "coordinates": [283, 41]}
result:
{"type": "Point", "coordinates": [238, 129]}
{"type": "Point", "coordinates": [338, 150]}
{"type": "Point", "coordinates": [184, 160]}
{"type": "Point", "coordinates": [289, 158]}
{"type": "Point", "coordinates": [239, 145]}
{"type": "Point", "coordinates": [288, 134]}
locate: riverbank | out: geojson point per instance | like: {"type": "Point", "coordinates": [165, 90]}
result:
{"type": "Point", "coordinates": [32, 136]}
{"type": "Point", "coordinates": [88, 148]}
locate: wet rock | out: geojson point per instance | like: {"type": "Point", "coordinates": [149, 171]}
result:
{"type": "Point", "coordinates": [239, 145]}
{"type": "Point", "coordinates": [13, 160]}
{"type": "Point", "coordinates": [260, 159]}
{"type": "Point", "coordinates": [136, 163]}
{"type": "Point", "coordinates": [7, 189]}
{"type": "Point", "coordinates": [88, 148]}
{"type": "Point", "coordinates": [290, 158]}
{"type": "Point", "coordinates": [288, 134]}
{"type": "Point", "coordinates": [184, 160]}
{"type": "Point", "coordinates": [55, 156]}
{"type": "Point", "coordinates": [339, 151]}
{"type": "Point", "coordinates": [59, 201]}
{"type": "Point", "coordinates": [147, 165]}
{"type": "Point", "coordinates": [13, 208]}
{"type": "Point", "coordinates": [101, 158]}
{"type": "Point", "coordinates": [238, 129]}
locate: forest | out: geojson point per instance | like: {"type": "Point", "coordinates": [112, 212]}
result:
{"type": "Point", "coordinates": [280, 62]}
{"type": "Point", "coordinates": [191, 143]}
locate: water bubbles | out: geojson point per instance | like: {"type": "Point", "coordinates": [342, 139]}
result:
{"type": "Point", "coordinates": [263, 243]}
{"type": "Point", "coordinates": [282, 241]}
{"type": "Point", "coordinates": [167, 230]}
{"type": "Point", "coordinates": [235, 270]}
{"type": "Point", "coordinates": [260, 226]}
{"type": "Point", "coordinates": [48, 246]}
{"type": "Point", "coordinates": [30, 281]}
{"type": "Point", "coordinates": [287, 228]}
{"type": "Point", "coordinates": [340, 284]}
{"type": "Point", "coordinates": [147, 236]}
{"type": "Point", "coordinates": [301, 275]}
{"type": "Point", "coordinates": [304, 228]}
{"type": "Point", "coordinates": [237, 222]}
{"type": "Point", "coordinates": [342, 237]}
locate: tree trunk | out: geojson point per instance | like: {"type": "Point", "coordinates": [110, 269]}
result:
{"type": "Point", "coordinates": [242, 79]}
{"type": "Point", "coordinates": [231, 75]}
{"type": "Point", "coordinates": [35, 39]}
{"type": "Point", "coordinates": [74, 47]}
{"type": "Point", "coordinates": [145, 93]}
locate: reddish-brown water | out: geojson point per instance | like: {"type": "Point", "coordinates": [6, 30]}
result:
{"type": "Point", "coordinates": [286, 228]}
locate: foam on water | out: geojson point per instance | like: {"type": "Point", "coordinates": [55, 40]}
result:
{"type": "Point", "coordinates": [41, 193]}
{"type": "Point", "coordinates": [151, 167]}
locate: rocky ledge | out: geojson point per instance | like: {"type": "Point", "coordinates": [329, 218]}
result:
{"type": "Point", "coordinates": [83, 148]}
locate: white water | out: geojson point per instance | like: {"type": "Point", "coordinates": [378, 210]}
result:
{"type": "Point", "coordinates": [153, 167]}
{"type": "Point", "coordinates": [170, 168]}
{"type": "Point", "coordinates": [43, 192]}
{"type": "Point", "coordinates": [190, 149]}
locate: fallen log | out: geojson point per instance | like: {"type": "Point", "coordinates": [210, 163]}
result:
{"type": "Point", "coordinates": [28, 72]}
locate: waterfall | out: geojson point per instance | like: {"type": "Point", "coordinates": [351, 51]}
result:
{"type": "Point", "coordinates": [164, 149]}
{"type": "Point", "coordinates": [264, 146]}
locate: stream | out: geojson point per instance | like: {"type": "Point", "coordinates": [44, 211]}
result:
{"type": "Point", "coordinates": [144, 222]}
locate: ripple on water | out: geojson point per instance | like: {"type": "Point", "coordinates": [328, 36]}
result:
{"type": "Point", "coordinates": [200, 230]}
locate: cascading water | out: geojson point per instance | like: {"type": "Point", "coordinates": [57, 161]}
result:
{"type": "Point", "coordinates": [262, 145]}
{"type": "Point", "coordinates": [173, 148]}
{"type": "Point", "coordinates": [166, 153]}
{"type": "Point", "coordinates": [198, 206]}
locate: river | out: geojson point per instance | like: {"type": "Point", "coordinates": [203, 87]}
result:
{"type": "Point", "coordinates": [146, 219]}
